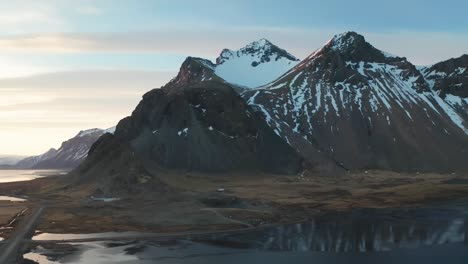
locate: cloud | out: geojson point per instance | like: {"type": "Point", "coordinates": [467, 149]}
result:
{"type": "Point", "coordinates": [419, 47]}
{"type": "Point", "coordinates": [20, 17]}
{"type": "Point", "coordinates": [12, 67]}
{"type": "Point", "coordinates": [40, 112]}
{"type": "Point", "coordinates": [90, 10]}
{"type": "Point", "coordinates": [46, 43]}
{"type": "Point", "coordinates": [105, 80]}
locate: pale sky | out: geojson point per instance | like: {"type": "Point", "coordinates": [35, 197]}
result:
{"type": "Point", "coordinates": [68, 65]}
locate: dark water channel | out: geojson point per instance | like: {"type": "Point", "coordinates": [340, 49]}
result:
{"type": "Point", "coordinates": [433, 234]}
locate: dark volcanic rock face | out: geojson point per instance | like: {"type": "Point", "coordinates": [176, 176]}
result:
{"type": "Point", "coordinates": [199, 125]}
{"type": "Point", "coordinates": [365, 109]}
{"type": "Point", "coordinates": [113, 170]}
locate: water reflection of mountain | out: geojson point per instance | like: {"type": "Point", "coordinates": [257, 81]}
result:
{"type": "Point", "coordinates": [361, 230]}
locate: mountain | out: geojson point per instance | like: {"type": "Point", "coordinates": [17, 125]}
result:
{"type": "Point", "coordinates": [365, 108]}
{"type": "Point", "coordinates": [449, 79]}
{"type": "Point", "coordinates": [197, 122]}
{"type": "Point", "coordinates": [71, 153]}
{"type": "Point", "coordinates": [10, 159]}
{"type": "Point", "coordinates": [254, 65]}
{"type": "Point", "coordinates": [347, 106]}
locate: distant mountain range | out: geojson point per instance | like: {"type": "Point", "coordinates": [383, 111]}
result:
{"type": "Point", "coordinates": [347, 106]}
{"type": "Point", "coordinates": [6, 160]}
{"type": "Point", "coordinates": [70, 154]}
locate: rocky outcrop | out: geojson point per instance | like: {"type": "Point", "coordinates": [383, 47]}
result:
{"type": "Point", "coordinates": [113, 170]}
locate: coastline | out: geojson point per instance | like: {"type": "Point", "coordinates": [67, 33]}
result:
{"type": "Point", "coordinates": [247, 201]}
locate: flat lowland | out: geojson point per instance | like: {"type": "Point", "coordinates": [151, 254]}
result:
{"type": "Point", "coordinates": [201, 202]}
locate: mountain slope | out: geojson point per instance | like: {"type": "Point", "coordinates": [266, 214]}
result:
{"type": "Point", "coordinates": [197, 122]}
{"type": "Point", "coordinates": [365, 109]}
{"type": "Point", "coordinates": [70, 154]}
{"type": "Point", "coordinates": [8, 160]}
{"type": "Point", "coordinates": [449, 79]}
{"type": "Point", "coordinates": [254, 65]}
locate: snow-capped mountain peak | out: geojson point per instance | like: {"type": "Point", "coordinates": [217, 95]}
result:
{"type": "Point", "coordinates": [351, 48]}
{"type": "Point", "coordinates": [254, 65]}
{"type": "Point", "coordinates": [346, 41]}
{"type": "Point", "coordinates": [193, 70]}
{"type": "Point", "coordinates": [84, 133]}
{"type": "Point", "coordinates": [261, 50]}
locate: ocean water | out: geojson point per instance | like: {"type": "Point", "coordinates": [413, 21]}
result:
{"type": "Point", "coordinates": [25, 175]}
{"type": "Point", "coordinates": [435, 234]}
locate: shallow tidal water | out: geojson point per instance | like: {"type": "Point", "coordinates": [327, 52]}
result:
{"type": "Point", "coordinates": [436, 234]}
{"type": "Point", "coordinates": [11, 199]}
{"type": "Point", "coordinates": [25, 175]}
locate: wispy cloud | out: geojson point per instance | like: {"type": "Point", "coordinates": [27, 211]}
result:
{"type": "Point", "coordinates": [19, 17]}
{"type": "Point", "coordinates": [46, 43]}
{"type": "Point", "coordinates": [39, 112]}
{"type": "Point", "coordinates": [13, 67]}
{"type": "Point", "coordinates": [90, 10]}
{"type": "Point", "coordinates": [419, 47]}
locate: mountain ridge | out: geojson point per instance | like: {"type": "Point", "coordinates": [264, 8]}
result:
{"type": "Point", "coordinates": [351, 86]}
{"type": "Point", "coordinates": [347, 106]}
{"type": "Point", "coordinates": [69, 155]}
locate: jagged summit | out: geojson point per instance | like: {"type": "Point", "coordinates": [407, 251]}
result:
{"type": "Point", "coordinates": [347, 58]}
{"type": "Point", "coordinates": [254, 65]}
{"type": "Point", "coordinates": [347, 41]}
{"type": "Point", "coordinates": [355, 47]}
{"type": "Point", "coordinates": [351, 47]}
{"type": "Point", "coordinates": [262, 50]}
{"type": "Point", "coordinates": [87, 132]}
{"type": "Point", "coordinates": [193, 70]}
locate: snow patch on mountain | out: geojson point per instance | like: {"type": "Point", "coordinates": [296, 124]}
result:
{"type": "Point", "coordinates": [88, 132]}
{"type": "Point", "coordinates": [348, 92]}
{"type": "Point", "coordinates": [256, 64]}
{"type": "Point", "coordinates": [342, 42]}
{"type": "Point", "coordinates": [236, 71]}
{"type": "Point", "coordinates": [110, 130]}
